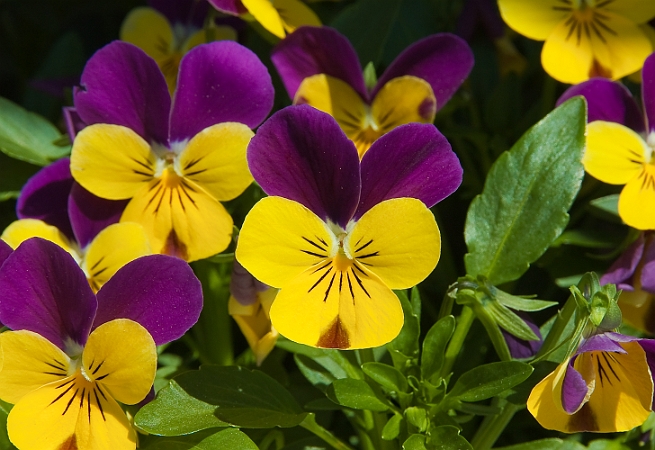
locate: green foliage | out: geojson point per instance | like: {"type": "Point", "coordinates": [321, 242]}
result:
{"type": "Point", "coordinates": [528, 192]}
{"type": "Point", "coordinates": [355, 394]}
{"type": "Point", "coordinates": [230, 438]}
{"type": "Point", "coordinates": [434, 346]}
{"type": "Point", "coordinates": [489, 380]}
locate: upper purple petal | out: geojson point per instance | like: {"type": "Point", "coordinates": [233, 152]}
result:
{"type": "Point", "coordinates": [520, 348]}
{"type": "Point", "coordinates": [220, 82]}
{"type": "Point", "coordinates": [649, 348]}
{"type": "Point", "coordinates": [443, 60]}
{"type": "Point", "coordinates": [121, 85]}
{"type": "Point", "coordinates": [604, 342]}
{"type": "Point", "coordinates": [574, 389]}
{"type": "Point", "coordinates": [312, 50]}
{"type": "Point", "coordinates": [648, 264]}
{"type": "Point", "coordinates": [234, 7]}
{"type": "Point", "coordinates": [45, 196]}
{"type": "Point", "coordinates": [159, 292]}
{"type": "Point", "coordinates": [244, 287]}
{"type": "Point", "coordinates": [90, 214]}
{"type": "Point", "coordinates": [74, 123]}
{"type": "Point", "coordinates": [607, 100]}
{"type": "Point", "coordinates": [45, 291]}
{"type": "Point", "coordinates": [624, 268]}
{"type": "Point", "coordinates": [648, 91]}
{"type": "Point", "coordinates": [185, 12]}
{"type": "Point", "coordinates": [300, 153]}
{"type": "Point", "coordinates": [413, 160]}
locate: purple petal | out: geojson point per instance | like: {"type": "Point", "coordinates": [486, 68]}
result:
{"type": "Point", "coordinates": [648, 91]}
{"type": "Point", "coordinates": [480, 12]}
{"type": "Point", "coordinates": [648, 268]}
{"type": "Point", "coordinates": [604, 342]}
{"type": "Point", "coordinates": [121, 85]}
{"type": "Point", "coordinates": [412, 160]}
{"type": "Point", "coordinates": [243, 286]}
{"type": "Point", "coordinates": [185, 12]}
{"type": "Point", "coordinates": [5, 251]}
{"type": "Point", "coordinates": [520, 348]}
{"type": "Point", "coordinates": [45, 196]}
{"type": "Point", "coordinates": [649, 348]}
{"type": "Point", "coordinates": [234, 7]}
{"type": "Point", "coordinates": [45, 291]}
{"type": "Point", "coordinates": [300, 153]}
{"type": "Point", "coordinates": [607, 100]}
{"type": "Point", "coordinates": [220, 82]}
{"type": "Point", "coordinates": [74, 123]}
{"type": "Point", "coordinates": [312, 50]}
{"type": "Point", "coordinates": [159, 292]}
{"type": "Point", "coordinates": [443, 60]}
{"type": "Point", "coordinates": [624, 268]}
{"type": "Point", "coordinates": [90, 214]}
{"type": "Point", "coordinates": [574, 389]}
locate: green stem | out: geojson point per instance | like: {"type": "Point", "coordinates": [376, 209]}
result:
{"type": "Point", "coordinates": [309, 424]}
{"type": "Point", "coordinates": [379, 419]}
{"type": "Point", "coordinates": [493, 426]}
{"type": "Point", "coordinates": [464, 323]}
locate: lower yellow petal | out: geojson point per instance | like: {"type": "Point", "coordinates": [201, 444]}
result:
{"type": "Point", "coordinates": [149, 30]}
{"type": "Point", "coordinates": [121, 357]}
{"type": "Point", "coordinates": [23, 229]}
{"type": "Point", "coordinates": [265, 13]}
{"type": "Point", "coordinates": [566, 58]}
{"type": "Point", "coordinates": [295, 14]}
{"type": "Point", "coordinates": [111, 249]}
{"type": "Point", "coordinates": [111, 161]}
{"type": "Point", "coordinates": [545, 403]}
{"type": "Point", "coordinates": [280, 239]}
{"type": "Point", "coordinates": [215, 159]}
{"type": "Point", "coordinates": [615, 154]}
{"type": "Point", "coordinates": [29, 362]}
{"type": "Point", "coordinates": [637, 200]}
{"type": "Point", "coordinates": [403, 100]}
{"type": "Point", "coordinates": [398, 240]}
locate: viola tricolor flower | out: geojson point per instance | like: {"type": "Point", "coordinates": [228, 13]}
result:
{"type": "Point", "coordinates": [584, 38]}
{"type": "Point", "coordinates": [174, 160]}
{"type": "Point", "coordinates": [634, 273]}
{"type": "Point", "coordinates": [606, 386]}
{"type": "Point", "coordinates": [618, 151]}
{"type": "Point", "coordinates": [279, 17]}
{"type": "Point", "coordinates": [335, 236]}
{"type": "Point", "coordinates": [167, 29]}
{"type": "Point", "coordinates": [320, 68]}
{"type": "Point", "coordinates": [53, 206]}
{"type": "Point", "coordinates": [73, 355]}
{"type": "Point", "coordinates": [250, 305]}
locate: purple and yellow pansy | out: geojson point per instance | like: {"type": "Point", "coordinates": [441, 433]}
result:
{"type": "Point", "coordinates": [606, 386]}
{"type": "Point", "coordinates": [319, 67]}
{"type": "Point", "coordinates": [584, 38]}
{"type": "Point", "coordinates": [337, 236]}
{"type": "Point", "coordinates": [174, 160]}
{"type": "Point", "coordinates": [167, 29]}
{"type": "Point", "coordinates": [73, 355]}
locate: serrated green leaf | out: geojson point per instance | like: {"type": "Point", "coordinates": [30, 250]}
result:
{"type": "Point", "coordinates": [355, 394]}
{"type": "Point", "coordinates": [447, 437]}
{"type": "Point", "coordinates": [27, 136]}
{"type": "Point", "coordinates": [230, 438]}
{"type": "Point", "coordinates": [523, 207]}
{"type": "Point", "coordinates": [391, 429]}
{"type": "Point", "coordinates": [488, 380]}
{"type": "Point", "coordinates": [434, 346]}
{"type": "Point", "coordinates": [386, 376]}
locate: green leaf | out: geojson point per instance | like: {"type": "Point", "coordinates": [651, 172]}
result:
{"type": "Point", "coordinates": [434, 346]}
{"type": "Point", "coordinates": [488, 380]}
{"type": "Point", "coordinates": [415, 442]}
{"type": "Point", "coordinates": [391, 429]}
{"type": "Point", "coordinates": [510, 322]}
{"type": "Point", "coordinates": [210, 440]}
{"type": "Point", "coordinates": [608, 204]}
{"type": "Point", "coordinates": [355, 394]}
{"type": "Point", "coordinates": [447, 437]}
{"type": "Point", "coordinates": [521, 303]}
{"type": "Point", "coordinates": [523, 207]}
{"type": "Point", "coordinates": [28, 136]}
{"type": "Point", "coordinates": [418, 417]}
{"type": "Point", "coordinates": [546, 444]}
{"type": "Point", "coordinates": [386, 376]}
{"type": "Point", "coordinates": [407, 340]}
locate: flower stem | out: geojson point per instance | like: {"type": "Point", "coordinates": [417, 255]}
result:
{"type": "Point", "coordinates": [493, 426]}
{"type": "Point", "coordinates": [309, 424]}
{"type": "Point", "coordinates": [379, 419]}
{"type": "Point", "coordinates": [464, 323]}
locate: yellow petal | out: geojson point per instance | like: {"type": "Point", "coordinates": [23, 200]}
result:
{"type": "Point", "coordinates": [398, 240]}
{"type": "Point", "coordinates": [23, 229]}
{"type": "Point", "coordinates": [274, 240]}
{"type": "Point", "coordinates": [535, 19]}
{"type": "Point", "coordinates": [637, 200]}
{"type": "Point", "coordinates": [180, 218]}
{"type": "Point", "coordinates": [255, 324]}
{"type": "Point", "coordinates": [121, 357]}
{"type": "Point", "coordinates": [545, 402]}
{"type": "Point", "coordinates": [149, 30]}
{"type": "Point", "coordinates": [638, 310]}
{"type": "Point", "coordinates": [111, 161]}
{"type": "Point", "coordinates": [295, 14]}
{"type": "Point", "coordinates": [637, 11]}
{"type": "Point", "coordinates": [215, 159]}
{"type": "Point", "coordinates": [71, 414]}
{"type": "Point", "coordinates": [615, 154]}
{"type": "Point", "coordinates": [29, 362]}
{"type": "Point", "coordinates": [265, 13]}
{"type": "Point", "coordinates": [111, 249]}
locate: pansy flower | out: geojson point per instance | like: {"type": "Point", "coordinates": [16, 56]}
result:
{"type": "Point", "coordinates": [320, 68]}
{"type": "Point", "coordinates": [606, 386]}
{"type": "Point", "coordinates": [279, 17]}
{"type": "Point", "coordinates": [174, 161]}
{"type": "Point", "coordinates": [584, 38]}
{"type": "Point", "coordinates": [73, 355]}
{"type": "Point", "coordinates": [617, 152]}
{"type": "Point", "coordinates": [53, 206]}
{"type": "Point", "coordinates": [167, 29]}
{"type": "Point", "coordinates": [335, 236]}
{"type": "Point", "coordinates": [250, 305]}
